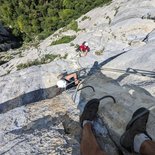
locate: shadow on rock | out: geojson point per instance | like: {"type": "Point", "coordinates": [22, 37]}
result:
{"type": "Point", "coordinates": [30, 97]}
{"type": "Point", "coordinates": [69, 126]}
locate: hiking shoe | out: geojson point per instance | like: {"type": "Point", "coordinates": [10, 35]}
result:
{"type": "Point", "coordinates": [90, 111]}
{"type": "Point", "coordinates": [135, 126]}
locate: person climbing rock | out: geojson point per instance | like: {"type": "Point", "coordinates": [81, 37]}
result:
{"type": "Point", "coordinates": [84, 49]}
{"type": "Point", "coordinates": [135, 138]}
{"type": "Point", "coordinates": [68, 81]}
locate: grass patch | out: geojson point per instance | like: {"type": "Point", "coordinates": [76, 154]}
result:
{"type": "Point", "coordinates": [99, 52]}
{"type": "Point", "coordinates": [72, 44]}
{"type": "Point", "coordinates": [28, 64]}
{"type": "Point", "coordinates": [48, 58]}
{"type": "Point", "coordinates": [85, 18]}
{"type": "Point", "coordinates": [73, 25]}
{"type": "Point", "coordinates": [5, 58]}
{"type": "Point", "coordinates": [106, 3]}
{"type": "Point", "coordinates": [63, 40]}
{"type": "Point", "coordinates": [8, 57]}
{"type": "Point", "coordinates": [44, 60]}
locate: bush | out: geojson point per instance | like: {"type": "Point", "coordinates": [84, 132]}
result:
{"type": "Point", "coordinates": [43, 35]}
{"type": "Point", "coordinates": [71, 44]}
{"type": "Point", "coordinates": [29, 64]}
{"type": "Point", "coordinates": [85, 17]}
{"type": "Point", "coordinates": [44, 60]}
{"type": "Point", "coordinates": [63, 40]}
{"type": "Point", "coordinates": [28, 19]}
{"type": "Point", "coordinates": [48, 58]}
{"type": "Point", "coordinates": [99, 52]}
{"type": "Point", "coordinates": [73, 26]}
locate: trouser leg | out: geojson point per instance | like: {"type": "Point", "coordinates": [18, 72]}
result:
{"type": "Point", "coordinates": [89, 145]}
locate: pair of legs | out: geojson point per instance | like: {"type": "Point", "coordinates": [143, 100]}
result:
{"type": "Point", "coordinates": [89, 145]}
{"type": "Point", "coordinates": [74, 76]}
{"type": "Point", "coordinates": [83, 53]}
{"type": "Point", "coordinates": [135, 128]}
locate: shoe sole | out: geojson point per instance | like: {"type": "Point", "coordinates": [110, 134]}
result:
{"type": "Point", "coordinates": [140, 113]}
{"type": "Point", "coordinates": [93, 101]}
{"type": "Point", "coordinates": [122, 144]}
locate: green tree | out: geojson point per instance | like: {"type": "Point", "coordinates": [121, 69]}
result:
{"type": "Point", "coordinates": [66, 13]}
{"type": "Point", "coordinates": [35, 26]}
{"type": "Point", "coordinates": [68, 4]}
{"type": "Point", "coordinates": [20, 22]}
{"type": "Point", "coordinates": [42, 17]}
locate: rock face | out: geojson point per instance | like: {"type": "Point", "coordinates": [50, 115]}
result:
{"type": "Point", "coordinates": [52, 126]}
{"type": "Point", "coordinates": [128, 99]}
{"type": "Point", "coordinates": [41, 128]}
{"type": "Point", "coordinates": [36, 120]}
{"type": "Point", "coordinates": [121, 32]}
{"type": "Point", "coordinates": [47, 127]}
{"type": "Point", "coordinates": [36, 82]}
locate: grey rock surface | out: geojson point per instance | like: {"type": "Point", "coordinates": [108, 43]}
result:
{"type": "Point", "coordinates": [41, 128]}
{"type": "Point", "coordinates": [37, 121]}
{"type": "Point", "coordinates": [150, 37]}
{"type": "Point", "coordinates": [52, 126]}
{"type": "Point", "coordinates": [47, 127]}
{"type": "Point", "coordinates": [36, 78]}
{"type": "Point", "coordinates": [128, 99]}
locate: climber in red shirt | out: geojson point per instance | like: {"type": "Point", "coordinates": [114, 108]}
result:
{"type": "Point", "coordinates": [84, 49]}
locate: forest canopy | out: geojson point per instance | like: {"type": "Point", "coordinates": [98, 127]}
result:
{"type": "Point", "coordinates": [29, 19]}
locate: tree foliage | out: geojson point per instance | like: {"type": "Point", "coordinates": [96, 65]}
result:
{"type": "Point", "coordinates": [41, 18]}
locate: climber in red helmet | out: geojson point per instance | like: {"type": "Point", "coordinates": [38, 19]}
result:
{"type": "Point", "coordinates": [84, 49]}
